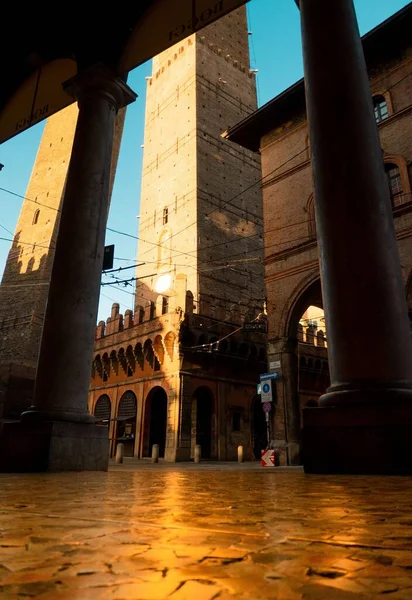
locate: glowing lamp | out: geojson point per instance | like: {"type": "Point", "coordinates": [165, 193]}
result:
{"type": "Point", "coordinates": [163, 283]}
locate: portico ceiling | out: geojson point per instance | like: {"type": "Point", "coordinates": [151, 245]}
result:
{"type": "Point", "coordinates": [43, 46]}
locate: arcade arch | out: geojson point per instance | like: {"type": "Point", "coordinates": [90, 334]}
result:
{"type": "Point", "coordinates": [155, 421]}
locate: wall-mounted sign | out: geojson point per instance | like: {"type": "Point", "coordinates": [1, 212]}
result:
{"type": "Point", "coordinates": [255, 326]}
{"type": "Point", "coordinates": [275, 364]}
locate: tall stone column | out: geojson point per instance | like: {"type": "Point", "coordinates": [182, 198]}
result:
{"type": "Point", "coordinates": [63, 372]}
{"type": "Point", "coordinates": [365, 420]}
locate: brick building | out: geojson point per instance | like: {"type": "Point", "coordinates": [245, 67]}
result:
{"type": "Point", "coordinates": [279, 132]}
{"type": "Point", "coordinates": [180, 370]}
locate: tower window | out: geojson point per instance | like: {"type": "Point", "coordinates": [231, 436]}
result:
{"type": "Point", "coordinates": [380, 108]}
{"type": "Point", "coordinates": [152, 310]}
{"type": "Point", "coordinates": [394, 180]}
{"type": "Point", "coordinates": [165, 215]}
{"type": "Point", "coordinates": [141, 315]}
{"type": "Point", "coordinates": [36, 217]}
{"type": "Point", "coordinates": [165, 305]}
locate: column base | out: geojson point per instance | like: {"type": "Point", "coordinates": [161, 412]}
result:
{"type": "Point", "coordinates": [358, 439]}
{"type": "Point", "coordinates": [40, 446]}
{"type": "Point", "coordinates": [179, 454]}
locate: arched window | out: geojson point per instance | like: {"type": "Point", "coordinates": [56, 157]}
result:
{"type": "Point", "coordinates": [102, 409]}
{"type": "Point", "coordinates": [36, 216]}
{"type": "Point", "coordinates": [380, 107]}
{"type": "Point", "coordinates": [165, 215]}
{"type": "Point", "coordinates": [165, 249]}
{"type": "Point", "coordinates": [395, 182]}
{"type": "Point", "coordinates": [152, 310]}
{"type": "Point", "coordinates": [310, 211]}
{"type": "Point", "coordinates": [165, 305]}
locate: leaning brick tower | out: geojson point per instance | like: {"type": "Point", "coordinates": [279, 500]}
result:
{"type": "Point", "coordinates": [24, 286]}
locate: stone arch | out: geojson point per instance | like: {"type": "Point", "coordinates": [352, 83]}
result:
{"type": "Point", "coordinates": [320, 338]}
{"type": "Point", "coordinates": [102, 409]}
{"type": "Point", "coordinates": [98, 365]}
{"type": "Point", "coordinates": [308, 292]}
{"type": "Point", "coordinates": [131, 360]}
{"type": "Point", "coordinates": [114, 363]}
{"type": "Point", "coordinates": [106, 366]}
{"type": "Point", "coordinates": [139, 315]}
{"type": "Point", "coordinates": [169, 343]}
{"type": "Point", "coordinates": [148, 353]}
{"type": "Point", "coordinates": [159, 349]}
{"type": "Point", "coordinates": [121, 355]}
{"type": "Point", "coordinates": [138, 352]}
{"type": "Point", "coordinates": [155, 421]}
{"type": "Point", "coordinates": [126, 422]}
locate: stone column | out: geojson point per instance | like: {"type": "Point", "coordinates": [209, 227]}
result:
{"type": "Point", "coordinates": [64, 364]}
{"type": "Point", "coordinates": [364, 423]}
{"type": "Point", "coordinates": [184, 438]}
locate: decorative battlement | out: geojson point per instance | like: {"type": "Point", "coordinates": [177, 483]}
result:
{"type": "Point", "coordinates": [212, 46]}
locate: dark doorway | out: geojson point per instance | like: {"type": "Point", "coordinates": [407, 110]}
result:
{"type": "Point", "coordinates": [204, 415]}
{"type": "Point", "coordinates": [259, 432]}
{"type": "Point", "coordinates": [155, 421]}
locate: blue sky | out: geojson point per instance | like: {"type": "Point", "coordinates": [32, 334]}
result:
{"type": "Point", "coordinates": [275, 51]}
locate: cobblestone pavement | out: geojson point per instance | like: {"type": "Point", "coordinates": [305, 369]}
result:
{"type": "Point", "coordinates": [154, 532]}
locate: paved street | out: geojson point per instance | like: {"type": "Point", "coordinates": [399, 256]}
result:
{"type": "Point", "coordinates": [204, 532]}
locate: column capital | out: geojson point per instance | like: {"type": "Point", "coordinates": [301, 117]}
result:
{"type": "Point", "coordinates": [99, 79]}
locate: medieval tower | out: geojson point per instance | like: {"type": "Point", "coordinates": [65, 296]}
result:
{"type": "Point", "coordinates": [201, 208]}
{"type": "Point", "coordinates": [24, 286]}
{"type": "Point", "coordinates": [181, 369]}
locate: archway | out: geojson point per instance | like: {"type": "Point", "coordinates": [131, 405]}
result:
{"type": "Point", "coordinates": [102, 410]}
{"type": "Point", "coordinates": [303, 379]}
{"type": "Point", "coordinates": [258, 427]}
{"type": "Point", "coordinates": [155, 421]}
{"type": "Point", "coordinates": [202, 419]}
{"type": "Point", "coordinates": [126, 422]}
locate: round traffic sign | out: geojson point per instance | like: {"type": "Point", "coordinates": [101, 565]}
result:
{"type": "Point", "coordinates": [267, 406]}
{"type": "Point", "coordinates": [265, 388]}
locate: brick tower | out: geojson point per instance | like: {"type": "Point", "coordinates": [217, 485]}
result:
{"type": "Point", "coordinates": [181, 370]}
{"type": "Point", "coordinates": [194, 214]}
{"type": "Point", "coordinates": [24, 286]}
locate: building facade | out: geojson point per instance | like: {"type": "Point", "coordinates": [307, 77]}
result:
{"type": "Point", "coordinates": [279, 131]}
{"type": "Point", "coordinates": [182, 369]}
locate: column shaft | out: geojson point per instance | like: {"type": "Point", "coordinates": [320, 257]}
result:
{"type": "Point", "coordinates": [64, 365]}
{"type": "Point", "coordinates": [369, 341]}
